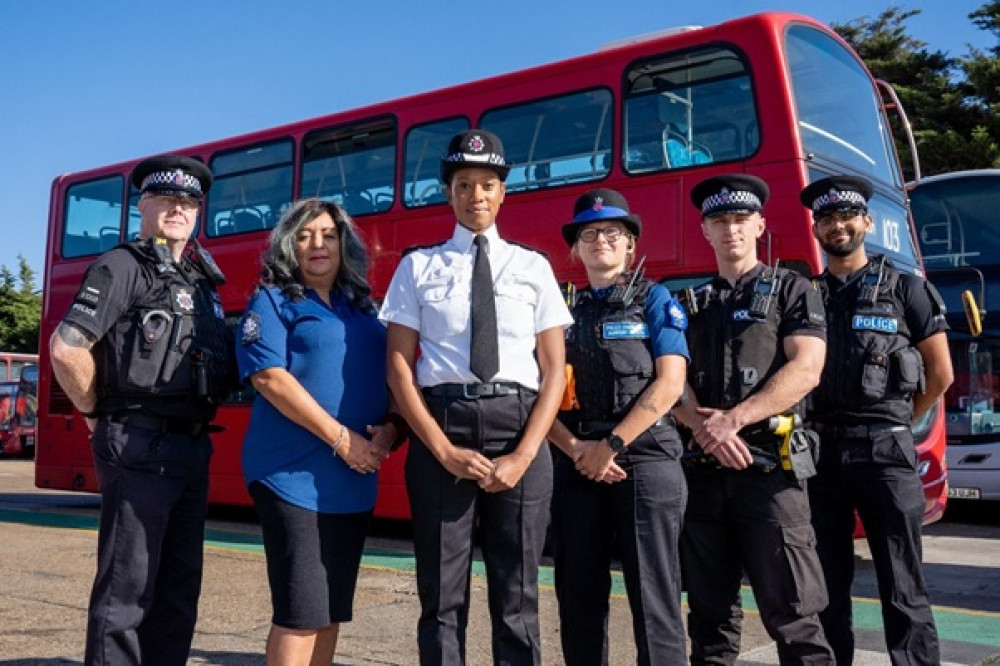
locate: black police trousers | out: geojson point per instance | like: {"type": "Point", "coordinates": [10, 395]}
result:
{"type": "Point", "coordinates": [154, 493]}
{"type": "Point", "coordinates": [447, 513]}
{"type": "Point", "coordinates": [642, 516]}
{"type": "Point", "coordinates": [877, 475]}
{"type": "Point", "coordinates": [750, 520]}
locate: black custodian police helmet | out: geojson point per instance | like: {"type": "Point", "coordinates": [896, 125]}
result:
{"type": "Point", "coordinates": [837, 193]}
{"type": "Point", "coordinates": [172, 175]}
{"type": "Point", "coordinates": [596, 206]}
{"type": "Point", "coordinates": [730, 193]}
{"type": "Point", "coordinates": [474, 149]}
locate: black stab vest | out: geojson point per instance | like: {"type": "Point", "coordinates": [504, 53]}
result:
{"type": "Point", "coordinates": [171, 356]}
{"type": "Point", "coordinates": [610, 372]}
{"type": "Point", "coordinates": [733, 355]}
{"type": "Point", "coordinates": [871, 368]}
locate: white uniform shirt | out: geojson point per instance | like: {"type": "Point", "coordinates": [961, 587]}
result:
{"type": "Point", "coordinates": [430, 293]}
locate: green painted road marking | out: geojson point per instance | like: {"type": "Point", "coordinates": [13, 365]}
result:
{"type": "Point", "coordinates": [953, 624]}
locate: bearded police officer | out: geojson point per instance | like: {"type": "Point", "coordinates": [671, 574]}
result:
{"type": "Point", "coordinates": [756, 338]}
{"type": "Point", "coordinates": [144, 353]}
{"type": "Point", "coordinates": [487, 316]}
{"type": "Point", "coordinates": [887, 364]}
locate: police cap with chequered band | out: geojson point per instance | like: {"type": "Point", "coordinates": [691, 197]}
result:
{"type": "Point", "coordinates": [730, 193]}
{"type": "Point", "coordinates": [474, 149]}
{"type": "Point", "coordinates": [837, 193]}
{"type": "Point", "coordinates": [172, 175]}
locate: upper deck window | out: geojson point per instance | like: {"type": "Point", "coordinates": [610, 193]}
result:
{"type": "Point", "coordinates": [839, 113]}
{"type": "Point", "coordinates": [555, 141]}
{"type": "Point", "coordinates": [353, 166]}
{"type": "Point", "coordinates": [93, 217]}
{"type": "Point", "coordinates": [686, 109]}
{"type": "Point", "coordinates": [425, 147]}
{"type": "Point", "coordinates": [251, 187]}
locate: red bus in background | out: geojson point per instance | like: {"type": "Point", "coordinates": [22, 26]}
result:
{"type": "Point", "coordinates": [18, 405]}
{"type": "Point", "coordinates": [12, 364]}
{"type": "Point", "coordinates": [777, 95]}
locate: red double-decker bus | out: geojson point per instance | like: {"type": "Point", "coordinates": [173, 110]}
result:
{"type": "Point", "coordinates": [777, 95]}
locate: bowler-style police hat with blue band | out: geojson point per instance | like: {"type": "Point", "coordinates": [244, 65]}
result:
{"type": "Point", "coordinates": [172, 175]}
{"type": "Point", "coordinates": [837, 193]}
{"type": "Point", "coordinates": [599, 205]}
{"type": "Point", "coordinates": [730, 193]}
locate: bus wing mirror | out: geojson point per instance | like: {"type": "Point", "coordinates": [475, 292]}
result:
{"type": "Point", "coordinates": [972, 313]}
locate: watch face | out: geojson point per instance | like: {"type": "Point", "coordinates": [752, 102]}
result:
{"type": "Point", "coordinates": [616, 443]}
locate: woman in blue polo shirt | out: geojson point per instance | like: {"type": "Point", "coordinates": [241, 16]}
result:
{"type": "Point", "coordinates": [618, 478]}
{"type": "Point", "coordinates": [312, 347]}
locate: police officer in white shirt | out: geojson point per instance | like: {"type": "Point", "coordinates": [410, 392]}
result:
{"type": "Point", "coordinates": [488, 318]}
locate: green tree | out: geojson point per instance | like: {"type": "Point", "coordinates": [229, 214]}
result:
{"type": "Point", "coordinates": [951, 102]}
{"type": "Point", "coordinates": [20, 309]}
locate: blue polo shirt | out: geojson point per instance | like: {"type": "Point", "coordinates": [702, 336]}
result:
{"type": "Point", "coordinates": [337, 353]}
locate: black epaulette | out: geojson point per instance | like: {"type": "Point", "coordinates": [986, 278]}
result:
{"type": "Point", "coordinates": [414, 248]}
{"type": "Point", "coordinates": [528, 247]}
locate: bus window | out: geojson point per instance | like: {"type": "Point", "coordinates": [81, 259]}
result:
{"type": "Point", "coordinates": [134, 220]}
{"type": "Point", "coordinates": [956, 222]}
{"type": "Point", "coordinates": [833, 96]}
{"type": "Point", "coordinates": [687, 109]}
{"type": "Point", "coordinates": [93, 217]}
{"type": "Point", "coordinates": [425, 144]}
{"type": "Point", "coordinates": [353, 166]}
{"type": "Point", "coordinates": [251, 187]}
{"type": "Point", "coordinates": [556, 141]}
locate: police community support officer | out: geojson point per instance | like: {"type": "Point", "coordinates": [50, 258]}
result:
{"type": "Point", "coordinates": [480, 405]}
{"type": "Point", "coordinates": [629, 356]}
{"type": "Point", "coordinates": [886, 332]}
{"type": "Point", "coordinates": [144, 353]}
{"type": "Point", "coordinates": [756, 337]}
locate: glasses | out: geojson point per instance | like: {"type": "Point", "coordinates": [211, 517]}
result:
{"type": "Point", "coordinates": [837, 216]}
{"type": "Point", "coordinates": [170, 200]}
{"type": "Point", "coordinates": [611, 234]}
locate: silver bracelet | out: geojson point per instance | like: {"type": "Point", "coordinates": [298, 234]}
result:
{"type": "Point", "coordinates": [340, 439]}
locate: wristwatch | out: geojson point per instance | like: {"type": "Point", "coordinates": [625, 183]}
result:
{"type": "Point", "coordinates": [616, 443]}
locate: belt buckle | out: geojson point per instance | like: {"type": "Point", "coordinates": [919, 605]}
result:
{"type": "Point", "coordinates": [473, 391]}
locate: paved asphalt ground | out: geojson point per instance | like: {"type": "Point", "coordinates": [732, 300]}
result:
{"type": "Point", "coordinates": [47, 559]}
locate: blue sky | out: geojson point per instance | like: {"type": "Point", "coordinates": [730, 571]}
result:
{"type": "Point", "coordinates": [84, 84]}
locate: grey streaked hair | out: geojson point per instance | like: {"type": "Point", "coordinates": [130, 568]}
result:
{"type": "Point", "coordinates": [280, 269]}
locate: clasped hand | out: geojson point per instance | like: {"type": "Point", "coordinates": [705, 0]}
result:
{"type": "Point", "coordinates": [493, 475]}
{"type": "Point", "coordinates": [718, 436]}
{"type": "Point", "coordinates": [365, 456]}
{"type": "Point", "coordinates": [596, 461]}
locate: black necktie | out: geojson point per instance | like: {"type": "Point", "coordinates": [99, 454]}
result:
{"type": "Point", "coordinates": [484, 360]}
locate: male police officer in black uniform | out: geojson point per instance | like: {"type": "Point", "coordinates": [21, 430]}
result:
{"type": "Point", "coordinates": [756, 337]}
{"type": "Point", "coordinates": [886, 332]}
{"type": "Point", "coordinates": [144, 353]}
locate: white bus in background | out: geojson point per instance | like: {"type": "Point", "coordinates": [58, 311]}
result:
{"type": "Point", "coordinates": [957, 217]}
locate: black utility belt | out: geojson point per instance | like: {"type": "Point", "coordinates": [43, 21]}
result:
{"type": "Point", "coordinates": [857, 431]}
{"type": "Point", "coordinates": [477, 391]}
{"type": "Point", "coordinates": [596, 427]}
{"type": "Point", "coordinates": [161, 424]}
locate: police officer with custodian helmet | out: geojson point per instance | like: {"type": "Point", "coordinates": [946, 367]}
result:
{"type": "Point", "coordinates": [756, 336]}
{"type": "Point", "coordinates": [618, 478]}
{"type": "Point", "coordinates": [887, 364]}
{"type": "Point", "coordinates": [144, 354]}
